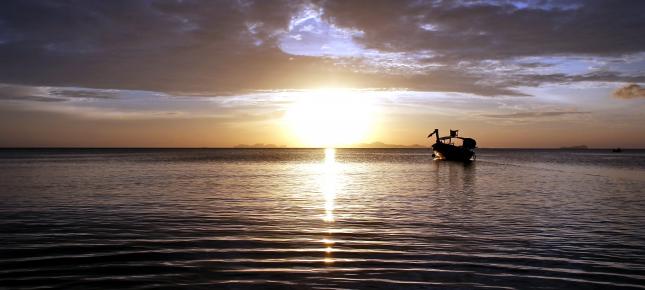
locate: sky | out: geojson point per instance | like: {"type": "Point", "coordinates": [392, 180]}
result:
{"type": "Point", "coordinates": [321, 73]}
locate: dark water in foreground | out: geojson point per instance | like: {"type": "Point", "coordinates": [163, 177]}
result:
{"type": "Point", "coordinates": [301, 219]}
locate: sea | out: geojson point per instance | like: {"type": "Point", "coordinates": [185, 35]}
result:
{"type": "Point", "coordinates": [321, 219]}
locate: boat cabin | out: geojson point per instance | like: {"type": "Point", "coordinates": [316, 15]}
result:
{"type": "Point", "coordinates": [469, 143]}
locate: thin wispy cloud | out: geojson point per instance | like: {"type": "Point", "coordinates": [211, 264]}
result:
{"type": "Point", "coordinates": [542, 114]}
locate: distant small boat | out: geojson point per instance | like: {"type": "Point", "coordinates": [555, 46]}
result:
{"type": "Point", "coordinates": [617, 150]}
{"type": "Point", "coordinates": [445, 149]}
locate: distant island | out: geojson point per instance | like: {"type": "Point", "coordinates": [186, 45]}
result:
{"type": "Point", "coordinates": [260, 145]}
{"type": "Point", "coordinates": [575, 147]}
{"type": "Point", "coordinates": [372, 145]}
{"type": "Point", "coordinates": [385, 145]}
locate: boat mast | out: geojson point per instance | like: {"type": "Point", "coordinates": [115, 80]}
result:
{"type": "Point", "coordinates": [436, 135]}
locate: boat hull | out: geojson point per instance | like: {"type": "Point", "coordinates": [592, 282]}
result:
{"type": "Point", "coordinates": [450, 152]}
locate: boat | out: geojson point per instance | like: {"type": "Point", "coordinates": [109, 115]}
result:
{"type": "Point", "coordinates": [445, 149]}
{"type": "Point", "coordinates": [617, 150]}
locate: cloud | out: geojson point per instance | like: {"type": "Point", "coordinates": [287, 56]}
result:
{"type": "Point", "coordinates": [84, 93]}
{"type": "Point", "coordinates": [484, 39]}
{"type": "Point", "coordinates": [146, 45]}
{"type": "Point", "coordinates": [630, 91]}
{"type": "Point", "coordinates": [232, 47]}
{"type": "Point", "coordinates": [26, 93]}
{"type": "Point", "coordinates": [52, 94]}
{"type": "Point", "coordinates": [475, 30]}
{"type": "Point", "coordinates": [526, 115]}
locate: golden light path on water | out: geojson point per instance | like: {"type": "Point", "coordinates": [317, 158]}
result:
{"type": "Point", "coordinates": [329, 187]}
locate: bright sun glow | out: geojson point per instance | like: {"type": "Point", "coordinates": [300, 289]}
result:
{"type": "Point", "coordinates": [330, 117]}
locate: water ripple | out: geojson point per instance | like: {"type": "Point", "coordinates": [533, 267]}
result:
{"type": "Point", "coordinates": [310, 219]}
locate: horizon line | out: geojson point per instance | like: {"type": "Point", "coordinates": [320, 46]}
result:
{"type": "Point", "coordinates": [233, 147]}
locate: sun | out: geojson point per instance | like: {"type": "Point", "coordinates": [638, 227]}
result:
{"type": "Point", "coordinates": [330, 117]}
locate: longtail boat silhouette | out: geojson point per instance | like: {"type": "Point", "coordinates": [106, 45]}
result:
{"type": "Point", "coordinates": [445, 149]}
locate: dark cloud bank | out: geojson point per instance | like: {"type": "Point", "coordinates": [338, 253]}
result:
{"type": "Point", "coordinates": [231, 47]}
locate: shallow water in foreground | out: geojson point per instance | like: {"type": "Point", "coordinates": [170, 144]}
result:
{"type": "Point", "coordinates": [310, 219]}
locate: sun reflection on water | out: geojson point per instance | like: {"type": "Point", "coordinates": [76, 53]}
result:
{"type": "Point", "coordinates": [329, 184]}
{"type": "Point", "coordinates": [329, 187]}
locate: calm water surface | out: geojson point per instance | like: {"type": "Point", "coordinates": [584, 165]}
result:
{"type": "Point", "coordinates": [316, 219]}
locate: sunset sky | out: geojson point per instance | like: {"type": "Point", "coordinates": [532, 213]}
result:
{"type": "Point", "coordinates": [321, 73]}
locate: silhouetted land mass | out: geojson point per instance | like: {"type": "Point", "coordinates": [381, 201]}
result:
{"type": "Point", "coordinates": [575, 147]}
{"type": "Point", "coordinates": [260, 145]}
{"type": "Point", "coordinates": [385, 145]}
{"type": "Point", "coordinates": [360, 145]}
